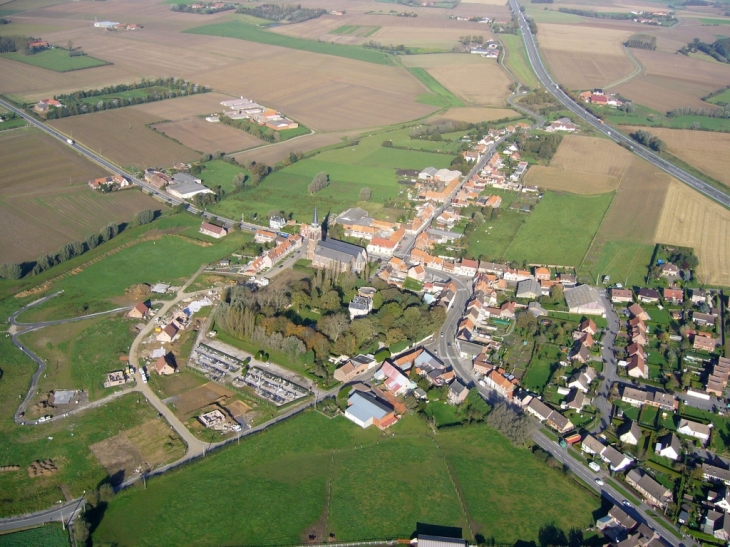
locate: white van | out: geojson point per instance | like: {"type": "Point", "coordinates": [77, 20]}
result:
{"type": "Point", "coordinates": [594, 466]}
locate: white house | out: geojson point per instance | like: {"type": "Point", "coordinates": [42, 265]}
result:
{"type": "Point", "coordinates": [631, 435]}
{"type": "Point", "coordinates": [694, 429]}
{"type": "Point", "coordinates": [668, 447]}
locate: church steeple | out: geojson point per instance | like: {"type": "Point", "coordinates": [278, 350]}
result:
{"type": "Point", "coordinates": [315, 218]}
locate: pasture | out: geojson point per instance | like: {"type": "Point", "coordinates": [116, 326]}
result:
{"type": "Point", "coordinates": [350, 168]}
{"type": "Point", "coordinates": [585, 57]}
{"type": "Point", "coordinates": [205, 137]}
{"type": "Point", "coordinates": [55, 59]}
{"type": "Point", "coordinates": [722, 98]}
{"type": "Point", "coordinates": [122, 136]}
{"type": "Point", "coordinates": [439, 96]}
{"type": "Point", "coordinates": [50, 535]}
{"type": "Point", "coordinates": [356, 30]}
{"type": "Point", "coordinates": [559, 230]}
{"type": "Point", "coordinates": [80, 354]}
{"type": "Point", "coordinates": [47, 203]}
{"type": "Point", "coordinates": [517, 62]}
{"type": "Point", "coordinates": [490, 240]}
{"type": "Point", "coordinates": [703, 150]}
{"type": "Point", "coordinates": [692, 220]}
{"type": "Point", "coordinates": [285, 475]}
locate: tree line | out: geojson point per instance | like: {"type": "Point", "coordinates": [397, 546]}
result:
{"type": "Point", "coordinates": [207, 9]}
{"type": "Point", "coordinates": [650, 141]}
{"type": "Point", "coordinates": [260, 132]}
{"type": "Point", "coordinates": [641, 41]}
{"type": "Point", "coordinates": [718, 50]}
{"type": "Point", "coordinates": [77, 248]}
{"type": "Point", "coordinates": [277, 12]}
{"type": "Point", "coordinates": [597, 14]}
{"type": "Point", "coordinates": [372, 44]}
{"type": "Point", "coordinates": [542, 146]}
{"type": "Point", "coordinates": [722, 112]}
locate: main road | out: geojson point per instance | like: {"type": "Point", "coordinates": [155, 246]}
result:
{"type": "Point", "coordinates": [580, 112]}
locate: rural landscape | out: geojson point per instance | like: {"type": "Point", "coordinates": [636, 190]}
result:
{"type": "Point", "coordinates": [440, 273]}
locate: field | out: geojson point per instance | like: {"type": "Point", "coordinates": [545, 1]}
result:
{"type": "Point", "coordinates": [559, 230]}
{"type": "Point", "coordinates": [80, 354]}
{"type": "Point", "coordinates": [121, 135]}
{"type": "Point", "coordinates": [45, 204]}
{"type": "Point", "coordinates": [202, 136]}
{"type": "Point", "coordinates": [356, 30]}
{"type": "Point", "coordinates": [50, 535]}
{"type": "Point", "coordinates": [723, 98]}
{"type": "Point", "coordinates": [274, 153]}
{"type": "Point", "coordinates": [585, 57]}
{"type": "Point", "coordinates": [569, 171]}
{"type": "Point", "coordinates": [287, 472]}
{"type": "Point", "coordinates": [693, 220]}
{"type": "Point", "coordinates": [473, 115]}
{"type": "Point", "coordinates": [243, 31]}
{"type": "Point", "coordinates": [221, 173]}
{"type": "Point", "coordinates": [55, 59]}
{"type": "Point", "coordinates": [492, 239]}
{"type": "Point", "coordinates": [439, 96]}
{"type": "Point", "coordinates": [703, 150]}
{"type": "Point", "coordinates": [665, 84]}
{"type": "Point", "coordinates": [65, 442]}
{"type": "Point", "coordinates": [349, 168]}
{"type": "Point", "coordinates": [516, 60]}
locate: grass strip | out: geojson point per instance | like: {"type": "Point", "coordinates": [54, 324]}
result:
{"type": "Point", "coordinates": [448, 99]}
{"type": "Point", "coordinates": [623, 491]}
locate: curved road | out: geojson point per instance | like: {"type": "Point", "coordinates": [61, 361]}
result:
{"type": "Point", "coordinates": [580, 112]}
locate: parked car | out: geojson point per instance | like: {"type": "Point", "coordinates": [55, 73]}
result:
{"type": "Point", "coordinates": [626, 503]}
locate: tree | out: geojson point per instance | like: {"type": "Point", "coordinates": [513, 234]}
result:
{"type": "Point", "coordinates": [330, 301]}
{"type": "Point", "coordinates": [11, 271]}
{"type": "Point", "coordinates": [365, 194]}
{"type": "Point", "coordinates": [65, 253]}
{"type": "Point", "coordinates": [321, 180]}
{"type": "Point", "coordinates": [333, 325]}
{"type": "Point", "coordinates": [81, 531]}
{"type": "Point", "coordinates": [92, 240]}
{"type": "Point", "coordinates": [239, 179]}
{"type": "Point", "coordinates": [387, 144]}
{"type": "Point", "coordinates": [144, 216]}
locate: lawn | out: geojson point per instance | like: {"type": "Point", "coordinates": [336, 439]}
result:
{"type": "Point", "coordinates": [539, 369]}
{"type": "Point", "coordinates": [12, 124]}
{"type": "Point", "coordinates": [50, 535]}
{"type": "Point", "coordinates": [101, 286]}
{"type": "Point", "coordinates": [253, 33]}
{"type": "Point", "coordinates": [648, 416]}
{"type": "Point", "coordinates": [656, 315]}
{"type": "Point", "coordinates": [65, 442]}
{"type": "Point", "coordinates": [631, 412]}
{"type": "Point", "coordinates": [559, 230]}
{"type": "Point", "coordinates": [443, 413]}
{"type": "Point", "coordinates": [622, 261]}
{"type": "Point", "coordinates": [491, 240]}
{"type": "Point", "coordinates": [516, 60]}
{"type": "Point", "coordinates": [55, 59]}
{"type": "Point", "coordinates": [381, 486]}
{"type": "Point", "coordinates": [80, 354]}
{"type": "Point", "coordinates": [356, 30]}
{"type": "Point", "coordinates": [439, 96]}
{"type": "Point", "coordinates": [221, 173]}
{"type": "Point", "coordinates": [350, 168]}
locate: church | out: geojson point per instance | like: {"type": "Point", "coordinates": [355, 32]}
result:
{"type": "Point", "coordinates": [331, 254]}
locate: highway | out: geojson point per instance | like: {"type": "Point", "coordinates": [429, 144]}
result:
{"type": "Point", "coordinates": [587, 117]}
{"type": "Point", "coordinates": [103, 162]}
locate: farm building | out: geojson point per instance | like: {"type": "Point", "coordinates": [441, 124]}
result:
{"type": "Point", "coordinates": [365, 410]}
{"type": "Point", "coordinates": [212, 230]}
{"type": "Point", "coordinates": [585, 300]}
{"type": "Point", "coordinates": [186, 190]}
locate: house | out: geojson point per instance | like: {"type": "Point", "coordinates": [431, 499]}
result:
{"type": "Point", "coordinates": [437, 541]}
{"type": "Point", "coordinates": [648, 296]}
{"type": "Point", "coordinates": [669, 270]}
{"type": "Point", "coordinates": [712, 520]}
{"type": "Point", "coordinates": [394, 379]}
{"type": "Point", "coordinates": [529, 288]}
{"type": "Point", "coordinates": [635, 397]}
{"type": "Point", "coordinates": [139, 311]}
{"type": "Point", "coordinates": [212, 230]}
{"type": "Point", "coordinates": [704, 343]}
{"type": "Point", "coordinates": [637, 367]}
{"type": "Point", "coordinates": [418, 273]}
{"type": "Point", "coordinates": [277, 222]}
{"type": "Point", "coordinates": [468, 267]}
{"type": "Point", "coordinates": [694, 429]}
{"type": "Point", "coordinates": [615, 459]}
{"type": "Point", "coordinates": [165, 365]}
{"type": "Point", "coordinates": [457, 392]}
{"type": "Point", "coordinates": [576, 400]}
{"type": "Point", "coordinates": [591, 445]}
{"type": "Point", "coordinates": [622, 295]}
{"type": "Point", "coordinates": [496, 380]}
{"type": "Point", "coordinates": [44, 105]}
{"type": "Point", "coordinates": [354, 367]}
{"type": "Point", "coordinates": [668, 447]}
{"type": "Point", "coordinates": [638, 398]}
{"type": "Point", "coordinates": [585, 300]}
{"type": "Point", "coordinates": [167, 334]}
{"type": "Point", "coordinates": [715, 474]}
{"type": "Point", "coordinates": [622, 518]}
{"type": "Point", "coordinates": [674, 296]}
{"type": "Point", "coordinates": [699, 296]}
{"type": "Point", "coordinates": [637, 311]}
{"type": "Point", "coordinates": [703, 319]}
{"type": "Point", "coordinates": [588, 326]}
{"type": "Point", "coordinates": [582, 379]}
{"type": "Point", "coordinates": [551, 417]}
{"type": "Point", "coordinates": [631, 434]}
{"type": "Point", "coordinates": [563, 124]}
{"type": "Point", "coordinates": [653, 492]}
{"type": "Point", "coordinates": [542, 273]}
{"type": "Point", "coordinates": [723, 532]}
{"type": "Point", "coordinates": [365, 410]}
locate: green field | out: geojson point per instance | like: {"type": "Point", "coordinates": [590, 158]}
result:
{"type": "Point", "coordinates": [350, 168]}
{"type": "Point", "coordinates": [80, 354]}
{"type": "Point", "coordinates": [221, 173]}
{"type": "Point", "coordinates": [252, 33]}
{"type": "Point", "coordinates": [541, 15]}
{"type": "Point", "coordinates": [12, 124]}
{"type": "Point", "coordinates": [100, 286]}
{"type": "Point", "coordinates": [55, 59]}
{"type": "Point", "coordinates": [356, 30]}
{"type": "Point", "coordinates": [78, 469]}
{"type": "Point", "coordinates": [623, 261]}
{"type": "Point", "coordinates": [715, 21]}
{"type": "Point", "coordinates": [559, 230]}
{"type": "Point", "coordinates": [651, 118]}
{"type": "Point", "coordinates": [540, 369]}
{"type": "Point", "coordinates": [50, 535]}
{"type": "Point", "coordinates": [439, 96]}
{"type": "Point", "coordinates": [444, 413]}
{"type": "Point", "coordinates": [450, 143]}
{"type": "Point", "coordinates": [722, 98]}
{"type": "Point", "coordinates": [516, 60]}
{"type": "Point", "coordinates": [381, 486]}
{"type": "Point", "coordinates": [492, 243]}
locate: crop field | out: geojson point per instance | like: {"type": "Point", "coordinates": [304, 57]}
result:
{"type": "Point", "coordinates": [709, 152]}
{"type": "Point", "coordinates": [182, 108]}
{"type": "Point", "coordinates": [80, 354]}
{"type": "Point", "coordinates": [45, 204]}
{"type": "Point", "coordinates": [78, 469]}
{"type": "Point", "coordinates": [439, 96]}
{"type": "Point", "coordinates": [355, 30]}
{"type": "Point", "coordinates": [693, 220]}
{"type": "Point", "coordinates": [549, 235]}
{"type": "Point", "coordinates": [287, 472]}
{"type": "Point", "coordinates": [473, 114]}
{"type": "Point", "coordinates": [349, 168]}
{"type": "Point", "coordinates": [666, 84]}
{"type": "Point", "coordinates": [273, 153]}
{"type": "Point", "coordinates": [50, 535]}
{"type": "Point", "coordinates": [202, 136]}
{"type": "Point", "coordinates": [55, 59]}
{"type": "Point", "coordinates": [517, 61]}
{"type": "Point", "coordinates": [569, 172]}
{"type": "Point", "coordinates": [585, 57]}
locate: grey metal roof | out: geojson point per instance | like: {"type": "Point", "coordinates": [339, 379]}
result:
{"type": "Point", "coordinates": [364, 407]}
{"type": "Point", "coordinates": [582, 295]}
{"type": "Point", "coordinates": [437, 541]}
{"type": "Point", "coordinates": [184, 178]}
{"type": "Point", "coordinates": [355, 215]}
{"type": "Point", "coordinates": [338, 250]}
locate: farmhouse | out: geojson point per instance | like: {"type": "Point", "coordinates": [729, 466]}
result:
{"type": "Point", "coordinates": [585, 300]}
{"type": "Point", "coordinates": [653, 492]}
{"type": "Point", "coordinates": [212, 230]}
{"type": "Point", "coordinates": [365, 410]}
{"type": "Point", "coordinates": [114, 182]}
{"type": "Point", "coordinates": [44, 105]}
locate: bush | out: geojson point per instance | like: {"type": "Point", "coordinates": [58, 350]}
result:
{"type": "Point", "coordinates": [320, 181]}
{"type": "Point", "coordinates": [382, 355]}
{"type": "Point", "coordinates": [11, 271]}
{"type": "Point", "coordinates": [143, 217]}
{"type": "Point", "coordinates": [365, 194]}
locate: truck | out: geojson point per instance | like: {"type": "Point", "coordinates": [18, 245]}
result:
{"type": "Point", "coordinates": [70, 141]}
